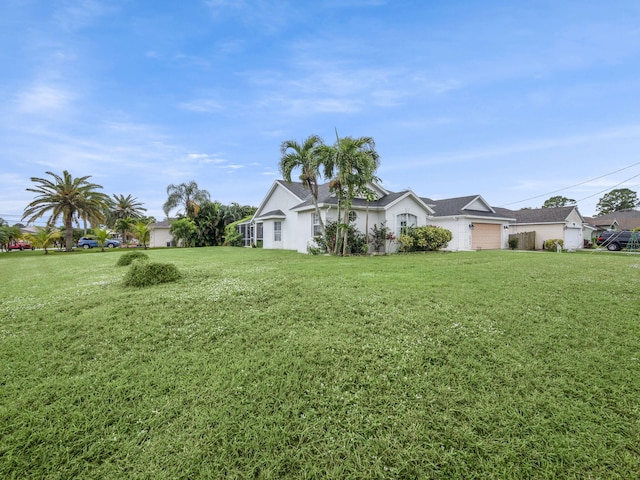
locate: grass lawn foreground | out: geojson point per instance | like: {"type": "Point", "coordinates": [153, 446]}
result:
{"type": "Point", "coordinates": [267, 364]}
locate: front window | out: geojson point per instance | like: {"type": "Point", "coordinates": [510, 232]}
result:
{"type": "Point", "coordinates": [277, 231]}
{"type": "Point", "coordinates": [405, 221]}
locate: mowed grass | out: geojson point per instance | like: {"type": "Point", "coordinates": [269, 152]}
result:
{"type": "Point", "coordinates": [266, 364]}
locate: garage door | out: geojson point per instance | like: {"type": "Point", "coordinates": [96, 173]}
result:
{"type": "Point", "coordinates": [485, 236]}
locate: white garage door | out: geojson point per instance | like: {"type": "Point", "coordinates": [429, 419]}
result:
{"type": "Point", "coordinates": [485, 236]}
{"type": "Point", "coordinates": [573, 238]}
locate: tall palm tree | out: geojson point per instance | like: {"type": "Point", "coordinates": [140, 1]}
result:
{"type": "Point", "coordinates": [308, 158]}
{"type": "Point", "coordinates": [67, 197]}
{"type": "Point", "coordinates": [124, 226]}
{"type": "Point", "coordinates": [124, 208]}
{"type": "Point", "coordinates": [186, 195]}
{"type": "Point", "coordinates": [351, 166]}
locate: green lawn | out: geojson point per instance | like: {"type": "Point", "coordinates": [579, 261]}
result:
{"type": "Point", "coordinates": [265, 364]}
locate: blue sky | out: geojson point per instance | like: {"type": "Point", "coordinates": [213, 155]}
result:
{"type": "Point", "coordinates": [515, 101]}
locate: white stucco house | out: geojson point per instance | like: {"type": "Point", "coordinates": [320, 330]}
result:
{"type": "Point", "coordinates": [564, 223]}
{"type": "Point", "coordinates": [160, 235]}
{"type": "Point", "coordinates": [286, 218]}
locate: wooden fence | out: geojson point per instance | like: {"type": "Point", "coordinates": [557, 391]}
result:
{"type": "Point", "coordinates": [526, 240]}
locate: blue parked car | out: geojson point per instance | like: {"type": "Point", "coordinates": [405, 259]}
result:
{"type": "Point", "coordinates": [88, 242]}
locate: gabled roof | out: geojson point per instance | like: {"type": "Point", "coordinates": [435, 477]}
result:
{"type": "Point", "coordinates": [471, 205]}
{"type": "Point", "coordinates": [541, 215]}
{"type": "Point", "coordinates": [272, 214]}
{"type": "Point", "coordinates": [295, 189]}
{"type": "Point", "coordinates": [326, 198]}
{"type": "Point", "coordinates": [624, 219]}
{"type": "Point", "coordinates": [166, 223]}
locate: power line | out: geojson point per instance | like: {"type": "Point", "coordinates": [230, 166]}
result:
{"type": "Point", "coordinates": [578, 184]}
{"type": "Point", "coordinates": [609, 188]}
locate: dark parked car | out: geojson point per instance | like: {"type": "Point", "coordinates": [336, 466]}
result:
{"type": "Point", "coordinates": [615, 240]}
{"type": "Point", "coordinates": [88, 242]}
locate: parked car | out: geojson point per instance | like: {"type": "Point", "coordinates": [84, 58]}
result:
{"type": "Point", "coordinates": [90, 242]}
{"type": "Point", "coordinates": [20, 245]}
{"type": "Point", "coordinates": [615, 240]}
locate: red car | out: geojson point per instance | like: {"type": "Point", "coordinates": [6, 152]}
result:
{"type": "Point", "coordinates": [20, 246]}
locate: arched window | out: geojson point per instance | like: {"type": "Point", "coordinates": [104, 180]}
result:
{"type": "Point", "coordinates": [404, 221]}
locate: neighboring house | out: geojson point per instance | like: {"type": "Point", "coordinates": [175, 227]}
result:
{"type": "Point", "coordinates": [621, 220]}
{"type": "Point", "coordinates": [564, 223]}
{"type": "Point", "coordinates": [475, 225]}
{"type": "Point", "coordinates": [287, 219]}
{"type": "Point", "coordinates": [160, 235]}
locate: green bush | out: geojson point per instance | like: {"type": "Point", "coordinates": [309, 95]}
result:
{"type": "Point", "coordinates": [513, 243]}
{"type": "Point", "coordinates": [128, 258]}
{"type": "Point", "coordinates": [356, 241]}
{"type": "Point", "coordinates": [431, 238]}
{"type": "Point", "coordinates": [406, 243]}
{"type": "Point", "coordinates": [551, 244]}
{"type": "Point", "coordinates": [144, 274]}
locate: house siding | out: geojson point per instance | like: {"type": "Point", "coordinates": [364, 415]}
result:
{"type": "Point", "coordinates": [543, 232]}
{"type": "Point", "coordinates": [160, 237]}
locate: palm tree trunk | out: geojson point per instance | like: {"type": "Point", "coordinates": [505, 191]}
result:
{"type": "Point", "coordinates": [336, 247]}
{"type": "Point", "coordinates": [68, 232]}
{"type": "Point", "coordinates": [345, 234]}
{"type": "Point", "coordinates": [366, 227]}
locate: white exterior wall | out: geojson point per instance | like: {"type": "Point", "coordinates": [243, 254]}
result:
{"type": "Point", "coordinates": [280, 199]}
{"type": "Point", "coordinates": [543, 232]}
{"type": "Point", "coordinates": [573, 234]}
{"type": "Point", "coordinates": [159, 237]}
{"type": "Point", "coordinates": [303, 233]}
{"type": "Point", "coordinates": [459, 228]}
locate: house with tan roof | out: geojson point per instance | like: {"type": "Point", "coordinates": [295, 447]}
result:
{"type": "Point", "coordinates": [627, 219]}
{"type": "Point", "coordinates": [563, 223]}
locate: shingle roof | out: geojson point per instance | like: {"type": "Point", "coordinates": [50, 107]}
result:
{"type": "Point", "coordinates": [161, 224]}
{"type": "Point", "coordinates": [447, 207]}
{"type": "Point", "coordinates": [450, 206]}
{"type": "Point", "coordinates": [539, 215]}
{"type": "Point", "coordinates": [627, 219]}
{"type": "Point", "coordinates": [297, 188]}
{"type": "Point", "coordinates": [273, 213]}
{"type": "Point", "coordinates": [327, 198]}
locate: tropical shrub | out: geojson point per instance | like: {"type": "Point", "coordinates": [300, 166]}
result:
{"type": "Point", "coordinates": [128, 258]}
{"type": "Point", "coordinates": [431, 238]}
{"type": "Point", "coordinates": [356, 241]}
{"type": "Point", "coordinates": [232, 237]}
{"type": "Point", "coordinates": [513, 243]}
{"type": "Point", "coordinates": [144, 274]}
{"type": "Point", "coordinates": [551, 244]}
{"type": "Point", "coordinates": [406, 242]}
{"type": "Point", "coordinates": [381, 237]}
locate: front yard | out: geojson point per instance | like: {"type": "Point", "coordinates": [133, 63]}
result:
{"type": "Point", "coordinates": [268, 364]}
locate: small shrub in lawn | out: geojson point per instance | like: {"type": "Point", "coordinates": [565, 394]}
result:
{"type": "Point", "coordinates": [143, 274]}
{"type": "Point", "coordinates": [551, 244]}
{"type": "Point", "coordinates": [129, 257]}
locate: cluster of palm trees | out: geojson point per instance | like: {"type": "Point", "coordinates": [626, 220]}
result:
{"type": "Point", "coordinates": [74, 200]}
{"type": "Point", "coordinates": [200, 221]}
{"type": "Point", "coordinates": [349, 165]}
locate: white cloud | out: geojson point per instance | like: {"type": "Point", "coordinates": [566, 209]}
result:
{"type": "Point", "coordinates": [203, 106]}
{"type": "Point", "coordinates": [43, 98]}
